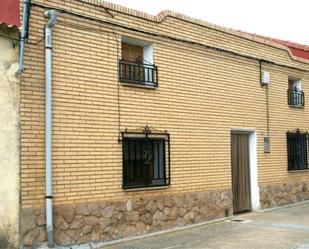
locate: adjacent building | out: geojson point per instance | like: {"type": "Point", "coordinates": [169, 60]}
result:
{"type": "Point", "coordinates": [157, 122]}
{"type": "Point", "coordinates": [9, 125]}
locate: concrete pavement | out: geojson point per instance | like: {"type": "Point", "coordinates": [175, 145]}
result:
{"type": "Point", "coordinates": [283, 228]}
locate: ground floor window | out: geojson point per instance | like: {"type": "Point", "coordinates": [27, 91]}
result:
{"type": "Point", "coordinates": [297, 143]}
{"type": "Point", "coordinates": [146, 158]}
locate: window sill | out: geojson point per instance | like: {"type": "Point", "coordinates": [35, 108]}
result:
{"type": "Point", "coordinates": [146, 188]}
{"type": "Point", "coordinates": [298, 170]}
{"type": "Point", "coordinates": [297, 106]}
{"type": "Point", "coordinates": [139, 85]}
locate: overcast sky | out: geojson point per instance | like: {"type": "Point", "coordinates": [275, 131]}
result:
{"type": "Point", "coordinates": [285, 19]}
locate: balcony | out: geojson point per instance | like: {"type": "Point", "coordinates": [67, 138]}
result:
{"type": "Point", "coordinates": [296, 98]}
{"type": "Point", "coordinates": [138, 73]}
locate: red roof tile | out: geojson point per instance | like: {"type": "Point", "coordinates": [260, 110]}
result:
{"type": "Point", "coordinates": [9, 12]}
{"type": "Point", "coordinates": [298, 50]}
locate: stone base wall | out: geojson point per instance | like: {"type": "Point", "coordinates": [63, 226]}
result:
{"type": "Point", "coordinates": [104, 221]}
{"type": "Point", "coordinates": [284, 193]}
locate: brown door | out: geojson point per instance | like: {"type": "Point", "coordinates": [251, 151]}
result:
{"type": "Point", "coordinates": [240, 172]}
{"type": "Point", "coordinates": [132, 52]}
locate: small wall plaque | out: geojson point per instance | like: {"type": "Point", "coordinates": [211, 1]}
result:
{"type": "Point", "coordinates": [266, 145]}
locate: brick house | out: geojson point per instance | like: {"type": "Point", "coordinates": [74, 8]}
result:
{"type": "Point", "coordinates": [157, 122]}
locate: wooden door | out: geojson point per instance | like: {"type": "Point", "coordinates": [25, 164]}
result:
{"type": "Point", "coordinates": [240, 156]}
{"type": "Point", "coordinates": [132, 52]}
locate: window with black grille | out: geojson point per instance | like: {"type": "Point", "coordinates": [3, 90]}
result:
{"type": "Point", "coordinates": [145, 159]}
{"type": "Point", "coordinates": [297, 150]}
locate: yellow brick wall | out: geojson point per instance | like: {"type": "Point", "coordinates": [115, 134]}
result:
{"type": "Point", "coordinates": [202, 94]}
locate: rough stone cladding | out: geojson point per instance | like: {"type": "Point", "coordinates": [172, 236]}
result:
{"type": "Point", "coordinates": [202, 94]}
{"type": "Point", "coordinates": [97, 221]}
{"type": "Point", "coordinates": [274, 195]}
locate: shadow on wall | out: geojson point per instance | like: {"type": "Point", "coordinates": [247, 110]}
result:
{"type": "Point", "coordinates": [3, 241]}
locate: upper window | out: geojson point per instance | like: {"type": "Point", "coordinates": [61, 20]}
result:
{"type": "Point", "coordinates": [145, 159]}
{"type": "Point", "coordinates": [297, 150]}
{"type": "Point", "coordinates": [296, 96]}
{"type": "Point", "coordinates": [136, 64]}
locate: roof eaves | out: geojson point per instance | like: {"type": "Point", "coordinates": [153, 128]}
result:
{"type": "Point", "coordinates": [169, 13]}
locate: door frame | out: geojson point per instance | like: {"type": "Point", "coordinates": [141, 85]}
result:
{"type": "Point", "coordinates": [254, 186]}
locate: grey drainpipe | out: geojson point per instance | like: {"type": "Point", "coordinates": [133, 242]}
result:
{"type": "Point", "coordinates": [52, 14]}
{"type": "Point", "coordinates": [24, 35]}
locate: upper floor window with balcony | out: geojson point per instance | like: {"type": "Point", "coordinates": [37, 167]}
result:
{"type": "Point", "coordinates": [296, 96]}
{"type": "Point", "coordinates": [136, 64]}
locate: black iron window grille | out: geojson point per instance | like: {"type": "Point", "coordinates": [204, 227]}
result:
{"type": "Point", "coordinates": [146, 159]}
{"type": "Point", "coordinates": [296, 97]}
{"type": "Point", "coordinates": [139, 72]}
{"type": "Point", "coordinates": [297, 150]}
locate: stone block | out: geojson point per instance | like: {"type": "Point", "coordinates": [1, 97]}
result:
{"type": "Point", "coordinates": [60, 223]}
{"type": "Point", "coordinates": [132, 216]}
{"type": "Point", "coordinates": [82, 209]}
{"type": "Point", "coordinates": [66, 211]}
{"type": "Point", "coordinates": [108, 212]}
{"type": "Point", "coordinates": [182, 212]}
{"type": "Point", "coordinates": [95, 209]}
{"type": "Point", "coordinates": [151, 206]}
{"type": "Point", "coordinates": [61, 238]}
{"type": "Point", "coordinates": [31, 236]}
{"type": "Point", "coordinates": [78, 222]}
{"type": "Point", "coordinates": [147, 219]}
{"type": "Point", "coordinates": [158, 218]}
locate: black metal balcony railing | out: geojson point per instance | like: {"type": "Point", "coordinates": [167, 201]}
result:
{"type": "Point", "coordinates": [296, 97]}
{"type": "Point", "coordinates": [138, 73]}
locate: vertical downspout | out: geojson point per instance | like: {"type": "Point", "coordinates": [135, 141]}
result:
{"type": "Point", "coordinates": [52, 14]}
{"type": "Point", "coordinates": [24, 34]}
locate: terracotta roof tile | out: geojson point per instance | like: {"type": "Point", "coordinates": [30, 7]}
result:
{"type": "Point", "coordinates": [9, 12]}
{"type": "Point", "coordinates": [298, 50]}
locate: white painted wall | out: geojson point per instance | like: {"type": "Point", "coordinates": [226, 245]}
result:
{"type": "Point", "coordinates": [9, 141]}
{"type": "Point", "coordinates": [148, 59]}
{"type": "Point", "coordinates": [296, 83]}
{"type": "Point", "coordinates": [255, 192]}
{"type": "Point", "coordinates": [148, 53]}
